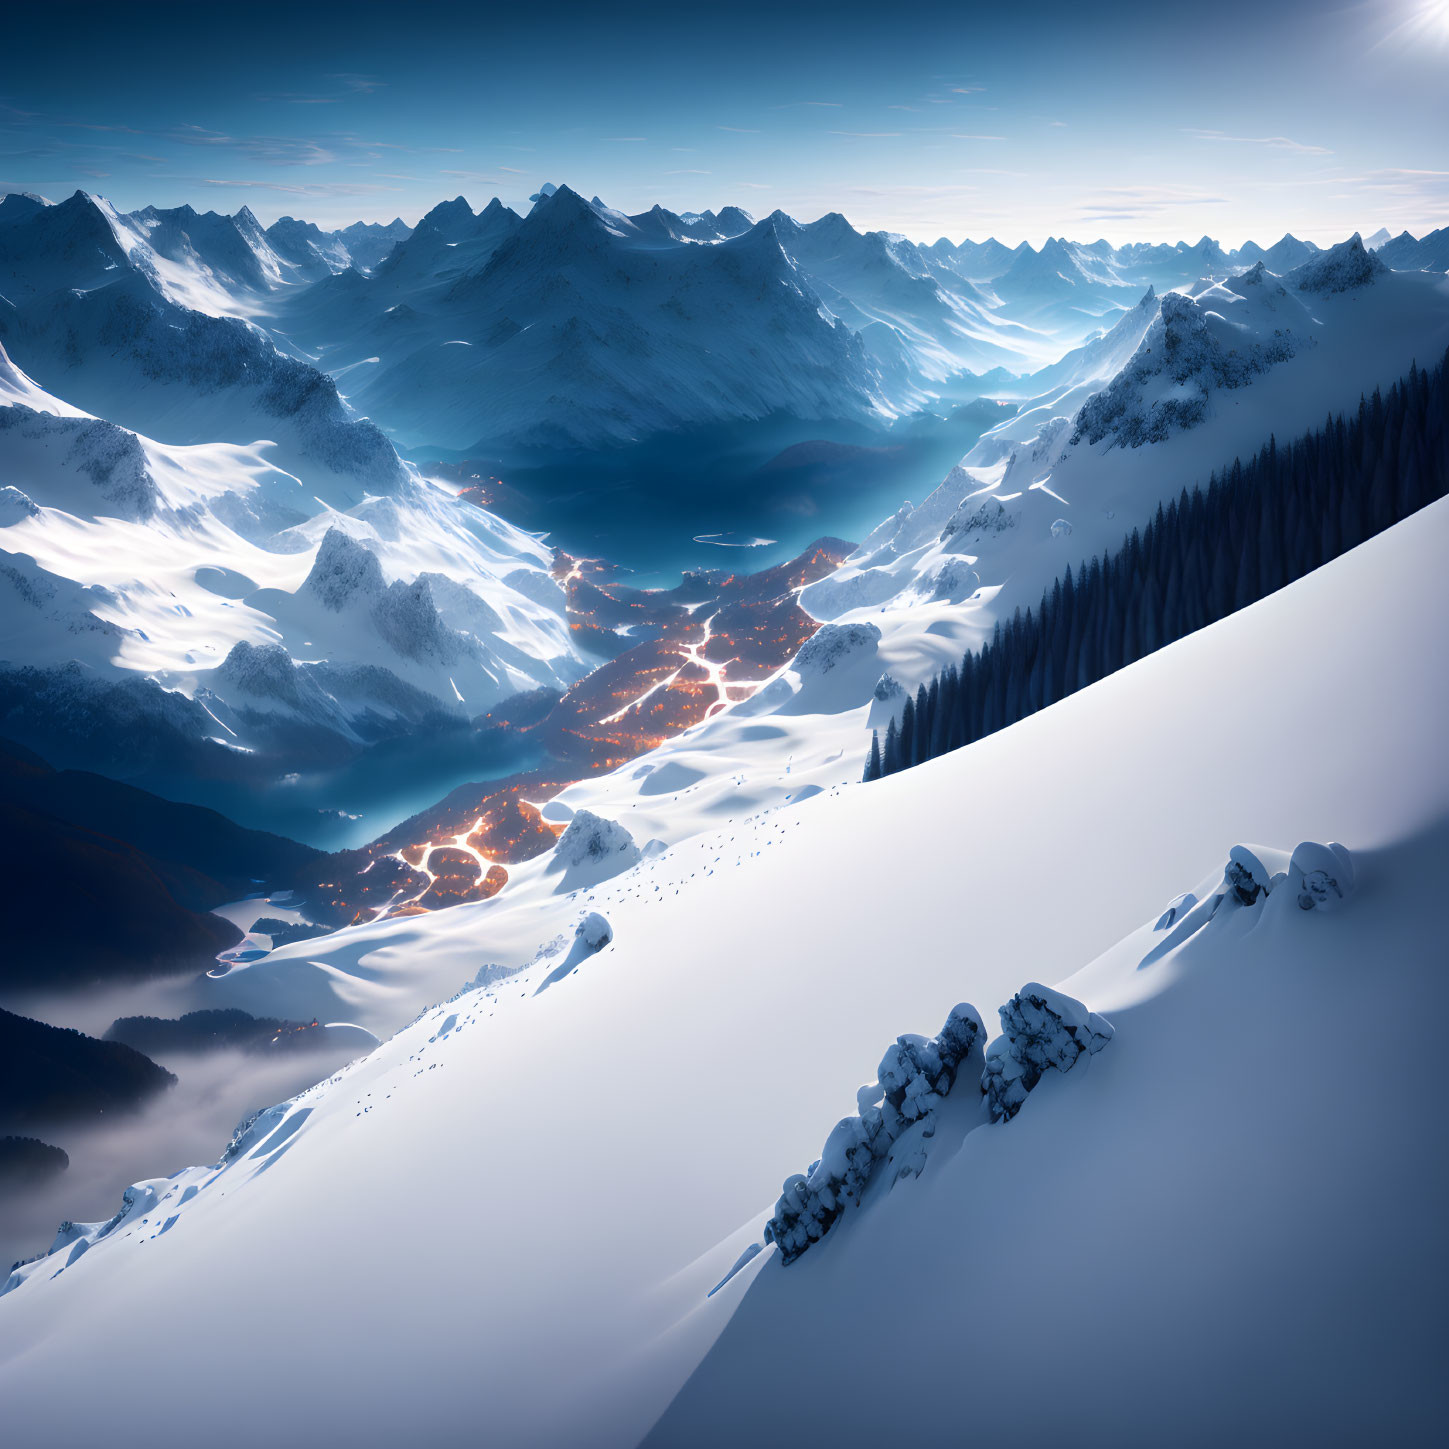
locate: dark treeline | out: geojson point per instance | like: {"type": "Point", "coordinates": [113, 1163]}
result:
{"type": "Point", "coordinates": [1259, 525]}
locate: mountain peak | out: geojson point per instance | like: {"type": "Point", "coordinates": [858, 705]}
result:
{"type": "Point", "coordinates": [1341, 268]}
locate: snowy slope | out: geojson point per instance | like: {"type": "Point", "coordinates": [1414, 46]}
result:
{"type": "Point", "coordinates": [512, 1214]}
{"type": "Point", "coordinates": [921, 325]}
{"type": "Point", "coordinates": [151, 561]}
{"type": "Point", "coordinates": [1214, 374]}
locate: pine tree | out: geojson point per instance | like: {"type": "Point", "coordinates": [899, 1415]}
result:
{"type": "Point", "coordinates": [1258, 526]}
{"type": "Point", "coordinates": [872, 764]}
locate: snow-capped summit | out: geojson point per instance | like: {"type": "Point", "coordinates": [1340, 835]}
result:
{"type": "Point", "coordinates": [20, 206]}
{"type": "Point", "coordinates": [232, 250]}
{"type": "Point", "coordinates": [305, 246]}
{"type": "Point", "coordinates": [566, 293]}
{"type": "Point", "coordinates": [345, 571]}
{"type": "Point", "coordinates": [1406, 253]}
{"type": "Point", "coordinates": [1052, 270]}
{"type": "Point", "coordinates": [1285, 254]}
{"type": "Point", "coordinates": [1340, 269]}
{"type": "Point", "coordinates": [71, 244]}
{"type": "Point", "coordinates": [452, 220]}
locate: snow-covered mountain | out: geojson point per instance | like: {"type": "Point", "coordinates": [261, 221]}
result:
{"type": "Point", "coordinates": [184, 600]}
{"type": "Point", "coordinates": [316, 254]}
{"type": "Point", "coordinates": [1162, 1177]}
{"type": "Point", "coordinates": [1405, 253]}
{"type": "Point", "coordinates": [1062, 288]}
{"type": "Point", "coordinates": [921, 324]}
{"type": "Point", "coordinates": [469, 331]}
{"type": "Point", "coordinates": [575, 328]}
{"type": "Point", "coordinates": [1183, 384]}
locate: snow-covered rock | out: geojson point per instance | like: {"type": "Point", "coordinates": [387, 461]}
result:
{"type": "Point", "coordinates": [594, 932]}
{"type": "Point", "coordinates": [1220, 339]}
{"type": "Point", "coordinates": [592, 849]}
{"type": "Point", "coordinates": [915, 1074]}
{"type": "Point", "coordinates": [109, 458]}
{"type": "Point", "coordinates": [15, 505]}
{"type": "Point", "coordinates": [345, 571]}
{"type": "Point", "coordinates": [1043, 1030]}
{"type": "Point", "coordinates": [976, 517]}
{"type": "Point", "coordinates": [1321, 877]}
{"type": "Point", "coordinates": [1246, 877]}
{"type": "Point", "coordinates": [834, 645]}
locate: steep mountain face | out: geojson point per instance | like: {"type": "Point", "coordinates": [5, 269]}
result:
{"type": "Point", "coordinates": [314, 254]}
{"type": "Point", "coordinates": [50, 1076]}
{"type": "Point", "coordinates": [20, 206]}
{"type": "Point", "coordinates": [118, 883]}
{"type": "Point", "coordinates": [1056, 393]}
{"type": "Point", "coordinates": [922, 324]}
{"type": "Point", "coordinates": [1344, 268]}
{"type": "Point", "coordinates": [975, 261]}
{"type": "Point", "coordinates": [1220, 339]}
{"type": "Point", "coordinates": [1065, 290]}
{"type": "Point", "coordinates": [1404, 253]}
{"type": "Point", "coordinates": [158, 604]}
{"type": "Point", "coordinates": [232, 249]}
{"type": "Point", "coordinates": [97, 318]}
{"type": "Point", "coordinates": [1051, 272]}
{"type": "Point", "coordinates": [447, 244]}
{"type": "Point", "coordinates": [1183, 385]}
{"type": "Point", "coordinates": [705, 225]}
{"type": "Point", "coordinates": [368, 242]}
{"type": "Point", "coordinates": [70, 245]}
{"type": "Point", "coordinates": [631, 336]}
{"type": "Point", "coordinates": [1285, 254]}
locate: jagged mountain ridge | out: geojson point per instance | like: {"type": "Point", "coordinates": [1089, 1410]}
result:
{"type": "Point", "coordinates": [578, 328]}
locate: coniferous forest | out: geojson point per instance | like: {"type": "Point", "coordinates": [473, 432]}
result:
{"type": "Point", "coordinates": [1258, 526]}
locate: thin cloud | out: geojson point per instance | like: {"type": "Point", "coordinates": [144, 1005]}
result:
{"type": "Point", "coordinates": [1275, 143]}
{"type": "Point", "coordinates": [362, 84]}
{"type": "Point", "coordinates": [740, 130]}
{"type": "Point", "coordinates": [687, 172]}
{"type": "Point", "coordinates": [487, 176]}
{"type": "Point", "coordinates": [867, 135]}
{"type": "Point", "coordinates": [96, 126]}
{"type": "Point", "coordinates": [316, 188]}
{"type": "Point", "coordinates": [973, 136]}
{"type": "Point", "coordinates": [1137, 203]}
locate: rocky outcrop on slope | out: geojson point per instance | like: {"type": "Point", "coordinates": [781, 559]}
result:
{"type": "Point", "coordinates": [915, 1075]}
{"type": "Point", "coordinates": [1043, 1030]}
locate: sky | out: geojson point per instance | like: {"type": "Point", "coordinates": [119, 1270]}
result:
{"type": "Point", "coordinates": [1158, 121]}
